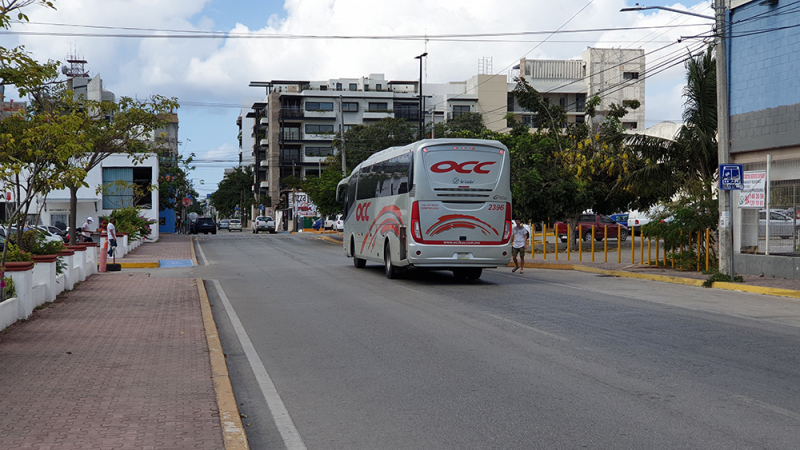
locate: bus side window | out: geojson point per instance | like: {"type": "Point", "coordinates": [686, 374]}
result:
{"type": "Point", "coordinates": [351, 194]}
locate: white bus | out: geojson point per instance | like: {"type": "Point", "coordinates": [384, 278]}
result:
{"type": "Point", "coordinates": [436, 203]}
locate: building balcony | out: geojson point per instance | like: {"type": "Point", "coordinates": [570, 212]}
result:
{"type": "Point", "coordinates": [377, 115]}
{"type": "Point", "coordinates": [263, 122]}
{"type": "Point", "coordinates": [288, 136]}
{"type": "Point", "coordinates": [291, 112]}
{"type": "Point", "coordinates": [321, 114]}
{"type": "Point", "coordinates": [264, 142]}
{"type": "Point", "coordinates": [319, 137]}
{"type": "Point", "coordinates": [264, 184]}
{"type": "Point", "coordinates": [263, 163]}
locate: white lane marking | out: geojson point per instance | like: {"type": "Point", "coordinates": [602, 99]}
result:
{"type": "Point", "coordinates": [528, 327]}
{"type": "Point", "coordinates": [291, 437]}
{"type": "Point", "coordinates": [202, 255]}
{"type": "Point", "coordinates": [768, 406]}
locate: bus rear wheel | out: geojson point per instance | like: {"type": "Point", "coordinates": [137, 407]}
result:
{"type": "Point", "coordinates": [391, 271]}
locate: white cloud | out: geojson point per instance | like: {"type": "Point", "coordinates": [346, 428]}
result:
{"type": "Point", "coordinates": [219, 70]}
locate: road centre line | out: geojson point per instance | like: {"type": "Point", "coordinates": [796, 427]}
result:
{"type": "Point", "coordinates": [283, 421]}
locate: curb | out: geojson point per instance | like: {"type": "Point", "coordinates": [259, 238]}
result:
{"type": "Point", "coordinates": [141, 265]}
{"type": "Point", "coordinates": [326, 238]}
{"type": "Point", "coordinates": [233, 434]}
{"type": "Point", "coordinates": [191, 249]}
{"type": "Point", "coordinates": [776, 292]}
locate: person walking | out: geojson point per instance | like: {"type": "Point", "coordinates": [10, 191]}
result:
{"type": "Point", "coordinates": [86, 230]}
{"type": "Point", "coordinates": [519, 237]}
{"type": "Point", "coordinates": [111, 232]}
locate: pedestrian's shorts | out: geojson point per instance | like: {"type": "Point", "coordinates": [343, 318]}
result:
{"type": "Point", "coordinates": [517, 251]}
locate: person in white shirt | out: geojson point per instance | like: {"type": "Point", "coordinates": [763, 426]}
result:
{"type": "Point", "coordinates": [519, 236]}
{"type": "Point", "coordinates": [111, 232]}
{"type": "Point", "coordinates": [86, 230]}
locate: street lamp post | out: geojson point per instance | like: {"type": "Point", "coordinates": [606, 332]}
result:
{"type": "Point", "coordinates": [723, 128]}
{"type": "Point", "coordinates": [421, 98]}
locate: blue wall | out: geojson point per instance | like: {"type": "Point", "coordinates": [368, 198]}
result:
{"type": "Point", "coordinates": [168, 217]}
{"type": "Point", "coordinates": [764, 60]}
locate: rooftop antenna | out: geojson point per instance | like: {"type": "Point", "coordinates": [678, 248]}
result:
{"type": "Point", "coordinates": [76, 67]}
{"type": "Point", "coordinates": [485, 66]}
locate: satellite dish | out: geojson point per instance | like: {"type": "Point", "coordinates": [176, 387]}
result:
{"type": "Point", "coordinates": [64, 70]}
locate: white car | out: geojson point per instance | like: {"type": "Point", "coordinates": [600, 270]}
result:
{"type": "Point", "coordinates": [330, 222]}
{"type": "Point", "coordinates": [235, 225]}
{"type": "Point", "coordinates": [339, 224]}
{"type": "Point", "coordinates": [263, 223]}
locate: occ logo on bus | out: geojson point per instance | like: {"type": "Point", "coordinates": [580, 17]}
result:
{"type": "Point", "coordinates": [362, 212]}
{"type": "Point", "coordinates": [465, 167]}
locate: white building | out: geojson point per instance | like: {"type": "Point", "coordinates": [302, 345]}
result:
{"type": "Point", "coordinates": [94, 201]}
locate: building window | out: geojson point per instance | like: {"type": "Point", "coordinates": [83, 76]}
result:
{"type": "Point", "coordinates": [378, 87]}
{"type": "Point", "coordinates": [562, 101]}
{"type": "Point", "coordinates": [630, 75]}
{"type": "Point", "coordinates": [319, 106]}
{"type": "Point", "coordinates": [350, 106]}
{"type": "Point", "coordinates": [460, 109]}
{"type": "Point", "coordinates": [124, 187]}
{"type": "Point", "coordinates": [580, 102]}
{"type": "Point", "coordinates": [318, 129]}
{"type": "Point", "coordinates": [323, 88]}
{"type": "Point", "coordinates": [580, 119]}
{"type": "Point", "coordinates": [632, 104]}
{"type": "Point", "coordinates": [318, 151]}
{"type": "Point", "coordinates": [338, 86]}
{"type": "Point", "coordinates": [378, 106]}
{"type": "Point", "coordinates": [408, 111]}
{"type": "Point", "coordinates": [630, 125]}
{"type": "Point", "coordinates": [353, 87]}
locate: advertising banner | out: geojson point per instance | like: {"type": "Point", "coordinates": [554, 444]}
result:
{"type": "Point", "coordinates": [754, 192]}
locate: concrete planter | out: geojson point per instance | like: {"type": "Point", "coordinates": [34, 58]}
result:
{"type": "Point", "coordinates": [8, 312]}
{"type": "Point", "coordinates": [78, 261]}
{"type": "Point", "coordinates": [68, 275]}
{"type": "Point", "coordinates": [44, 279]}
{"type": "Point", "coordinates": [22, 274]}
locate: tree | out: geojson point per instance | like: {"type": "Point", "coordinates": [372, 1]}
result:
{"type": "Point", "coordinates": [322, 190]}
{"type": "Point", "coordinates": [361, 141]}
{"type": "Point", "coordinates": [234, 190]}
{"type": "Point", "coordinates": [173, 182]}
{"type": "Point", "coordinates": [470, 122]}
{"type": "Point", "coordinates": [123, 127]}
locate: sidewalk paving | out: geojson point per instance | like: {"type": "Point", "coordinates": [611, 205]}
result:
{"type": "Point", "coordinates": [120, 362]}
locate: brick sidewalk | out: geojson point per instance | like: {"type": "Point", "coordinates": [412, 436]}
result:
{"type": "Point", "coordinates": [169, 246]}
{"type": "Point", "coordinates": [121, 362]}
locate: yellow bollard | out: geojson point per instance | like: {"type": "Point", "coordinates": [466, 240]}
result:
{"type": "Point", "coordinates": [708, 236]}
{"type": "Point", "coordinates": [641, 246]}
{"type": "Point", "coordinates": [633, 245]}
{"type": "Point", "coordinates": [555, 234]}
{"type": "Point", "coordinates": [605, 243]}
{"type": "Point", "coordinates": [673, 255]}
{"type": "Point", "coordinates": [619, 244]}
{"type": "Point", "coordinates": [544, 240]}
{"type": "Point", "coordinates": [592, 243]}
{"type": "Point", "coordinates": [569, 243]}
{"type": "Point", "coordinates": [681, 248]}
{"type": "Point", "coordinates": [657, 255]}
{"type": "Point", "coordinates": [580, 244]}
{"type": "Point", "coordinates": [649, 256]}
{"type": "Point", "coordinates": [533, 243]}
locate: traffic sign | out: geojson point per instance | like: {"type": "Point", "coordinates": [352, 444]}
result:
{"type": "Point", "coordinates": [187, 201]}
{"type": "Point", "coordinates": [730, 177]}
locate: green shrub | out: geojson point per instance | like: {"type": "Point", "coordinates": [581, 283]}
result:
{"type": "Point", "coordinates": [129, 220]}
{"type": "Point", "coordinates": [14, 254]}
{"type": "Point", "coordinates": [719, 276]}
{"type": "Point", "coordinates": [34, 242]}
{"type": "Point", "coordinates": [7, 285]}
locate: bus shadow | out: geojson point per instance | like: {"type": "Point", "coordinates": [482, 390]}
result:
{"type": "Point", "coordinates": [431, 277]}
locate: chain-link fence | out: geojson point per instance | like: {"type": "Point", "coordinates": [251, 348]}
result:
{"type": "Point", "coordinates": [774, 228]}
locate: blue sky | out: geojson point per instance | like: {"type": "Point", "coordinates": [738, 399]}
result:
{"type": "Point", "coordinates": [210, 77]}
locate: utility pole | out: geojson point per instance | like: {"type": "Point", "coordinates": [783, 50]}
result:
{"type": "Point", "coordinates": [723, 144]}
{"type": "Point", "coordinates": [341, 133]}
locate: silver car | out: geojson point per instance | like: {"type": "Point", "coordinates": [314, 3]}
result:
{"type": "Point", "coordinates": [780, 224]}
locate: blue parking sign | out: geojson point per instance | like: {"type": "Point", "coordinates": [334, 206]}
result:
{"type": "Point", "coordinates": [731, 177]}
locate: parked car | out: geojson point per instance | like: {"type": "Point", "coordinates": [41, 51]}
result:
{"type": "Point", "coordinates": [600, 222]}
{"type": "Point", "coordinates": [780, 224]}
{"type": "Point", "coordinates": [638, 219]}
{"type": "Point", "coordinates": [339, 225]}
{"type": "Point", "coordinates": [224, 223]}
{"type": "Point", "coordinates": [234, 225]}
{"type": "Point", "coordinates": [330, 222]}
{"type": "Point", "coordinates": [263, 223]}
{"type": "Point", "coordinates": [49, 236]}
{"type": "Point", "coordinates": [621, 218]}
{"type": "Point", "coordinates": [204, 225]}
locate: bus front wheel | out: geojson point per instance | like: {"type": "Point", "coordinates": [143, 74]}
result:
{"type": "Point", "coordinates": [358, 263]}
{"type": "Point", "coordinates": [391, 271]}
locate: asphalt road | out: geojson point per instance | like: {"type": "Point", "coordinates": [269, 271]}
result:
{"type": "Point", "coordinates": [326, 356]}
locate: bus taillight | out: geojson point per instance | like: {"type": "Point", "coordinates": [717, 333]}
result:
{"type": "Point", "coordinates": [416, 228]}
{"type": "Point", "coordinates": [507, 229]}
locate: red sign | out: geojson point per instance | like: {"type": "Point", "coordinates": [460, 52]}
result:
{"type": "Point", "coordinates": [187, 201]}
{"type": "Point", "coordinates": [447, 166]}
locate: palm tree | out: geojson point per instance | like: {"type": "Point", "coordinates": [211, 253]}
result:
{"type": "Point", "coordinates": [686, 165]}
